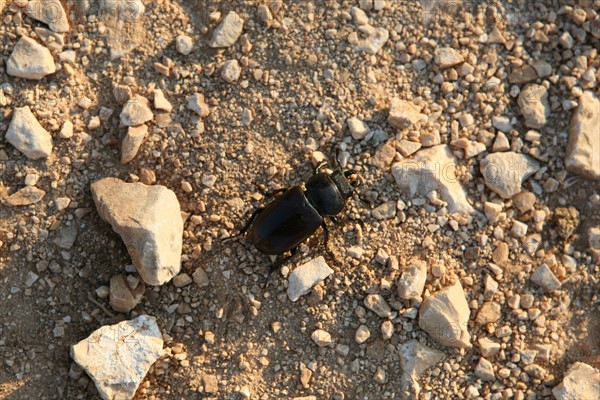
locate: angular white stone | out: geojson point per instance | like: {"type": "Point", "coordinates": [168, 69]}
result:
{"type": "Point", "coordinates": [583, 150]}
{"type": "Point", "coordinates": [28, 136]}
{"type": "Point", "coordinates": [433, 169]}
{"type": "Point", "coordinates": [484, 370]}
{"type": "Point", "coordinates": [303, 278]}
{"type": "Point", "coordinates": [197, 104]}
{"type": "Point", "coordinates": [66, 132]}
{"type": "Point", "coordinates": [470, 148]}
{"type": "Point", "coordinates": [126, 11]}
{"type": "Point", "coordinates": [132, 142]}
{"type": "Point", "coordinates": [148, 219]}
{"type": "Point", "coordinates": [228, 31]}
{"type": "Point", "coordinates": [136, 111]}
{"type": "Point", "coordinates": [445, 317]}
{"type": "Point", "coordinates": [161, 102]}
{"type": "Point", "coordinates": [403, 114]}
{"type": "Point", "coordinates": [386, 210]}
{"type": "Point", "coordinates": [123, 296]}
{"type": "Point", "coordinates": [533, 102]}
{"type": "Point", "coordinates": [412, 280]}
{"type": "Point", "coordinates": [231, 71]}
{"type": "Point", "coordinates": [358, 128]}
{"type": "Point", "coordinates": [504, 173]}
{"type": "Point", "coordinates": [416, 358]}
{"type": "Point", "coordinates": [50, 12]}
{"type": "Point", "coordinates": [375, 40]}
{"type": "Point", "coordinates": [362, 334]}
{"type": "Point", "coordinates": [118, 357]}
{"type": "Point", "coordinates": [359, 16]}
{"type": "Point", "coordinates": [24, 197]}
{"type": "Point", "coordinates": [582, 381]}
{"type": "Point", "coordinates": [447, 57]}
{"type": "Point", "coordinates": [501, 123]}
{"type": "Point", "coordinates": [377, 304]}
{"type": "Point", "coordinates": [544, 277]}
{"type": "Point", "coordinates": [321, 338]}
{"type": "Point", "coordinates": [501, 143]}
{"type": "Point", "coordinates": [30, 60]}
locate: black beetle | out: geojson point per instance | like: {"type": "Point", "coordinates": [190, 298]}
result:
{"type": "Point", "coordinates": [295, 215]}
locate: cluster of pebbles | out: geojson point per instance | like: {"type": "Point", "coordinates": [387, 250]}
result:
{"type": "Point", "coordinates": [134, 137]}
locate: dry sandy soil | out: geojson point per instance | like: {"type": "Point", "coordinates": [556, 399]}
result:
{"type": "Point", "coordinates": [302, 78]}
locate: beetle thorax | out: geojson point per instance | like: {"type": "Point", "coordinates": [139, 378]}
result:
{"type": "Point", "coordinates": [327, 193]}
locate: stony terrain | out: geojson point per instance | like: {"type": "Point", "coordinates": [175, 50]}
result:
{"type": "Point", "coordinates": [136, 135]}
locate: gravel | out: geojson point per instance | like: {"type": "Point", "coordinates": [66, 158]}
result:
{"type": "Point", "coordinates": [238, 100]}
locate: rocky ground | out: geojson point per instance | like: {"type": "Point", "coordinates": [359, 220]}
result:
{"type": "Point", "coordinates": [466, 265]}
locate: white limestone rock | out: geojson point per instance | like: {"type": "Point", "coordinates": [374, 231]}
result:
{"type": "Point", "coordinates": [132, 142]}
{"type": "Point", "coordinates": [197, 104]}
{"type": "Point", "coordinates": [505, 172]}
{"type": "Point", "coordinates": [404, 114]}
{"type": "Point", "coordinates": [583, 150]}
{"type": "Point", "coordinates": [386, 210]}
{"type": "Point", "coordinates": [161, 102]}
{"type": "Point", "coordinates": [582, 381]}
{"type": "Point", "coordinates": [445, 316]}
{"type": "Point", "coordinates": [184, 44]}
{"type": "Point", "coordinates": [148, 219]}
{"type": "Point", "coordinates": [50, 12]}
{"type": "Point", "coordinates": [544, 277]}
{"type": "Point", "coordinates": [136, 112]}
{"type": "Point", "coordinates": [533, 102]}
{"type": "Point", "coordinates": [228, 31]}
{"type": "Point", "coordinates": [376, 303]}
{"type": "Point", "coordinates": [128, 11]}
{"type": "Point", "coordinates": [118, 357]}
{"type": "Point", "coordinates": [416, 358]}
{"type": "Point", "coordinates": [306, 276]}
{"type": "Point", "coordinates": [125, 292]}
{"type": "Point", "coordinates": [447, 57]}
{"type": "Point", "coordinates": [231, 71]}
{"type": "Point", "coordinates": [433, 169]}
{"type": "Point", "coordinates": [321, 338]}
{"type": "Point", "coordinates": [27, 135]}
{"type": "Point", "coordinates": [24, 197]}
{"type": "Point", "coordinates": [30, 60]}
{"type": "Point", "coordinates": [470, 148]}
{"type": "Point", "coordinates": [358, 128]}
{"type": "Point", "coordinates": [375, 40]}
{"type": "Point", "coordinates": [412, 280]}
{"type": "Point", "coordinates": [485, 370]}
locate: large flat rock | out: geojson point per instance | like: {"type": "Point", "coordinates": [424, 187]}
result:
{"type": "Point", "coordinates": [118, 357]}
{"type": "Point", "coordinates": [445, 317]}
{"type": "Point", "coordinates": [430, 169]}
{"type": "Point", "coordinates": [50, 12]}
{"type": "Point", "coordinates": [30, 60]}
{"type": "Point", "coordinates": [148, 219]}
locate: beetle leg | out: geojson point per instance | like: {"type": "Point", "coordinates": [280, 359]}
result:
{"type": "Point", "coordinates": [275, 192]}
{"type": "Point", "coordinates": [279, 263]}
{"type": "Point", "coordinates": [326, 231]}
{"type": "Point", "coordinates": [247, 226]}
{"type": "Point", "coordinates": [326, 240]}
{"type": "Point", "coordinates": [335, 220]}
{"type": "Point", "coordinates": [350, 172]}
